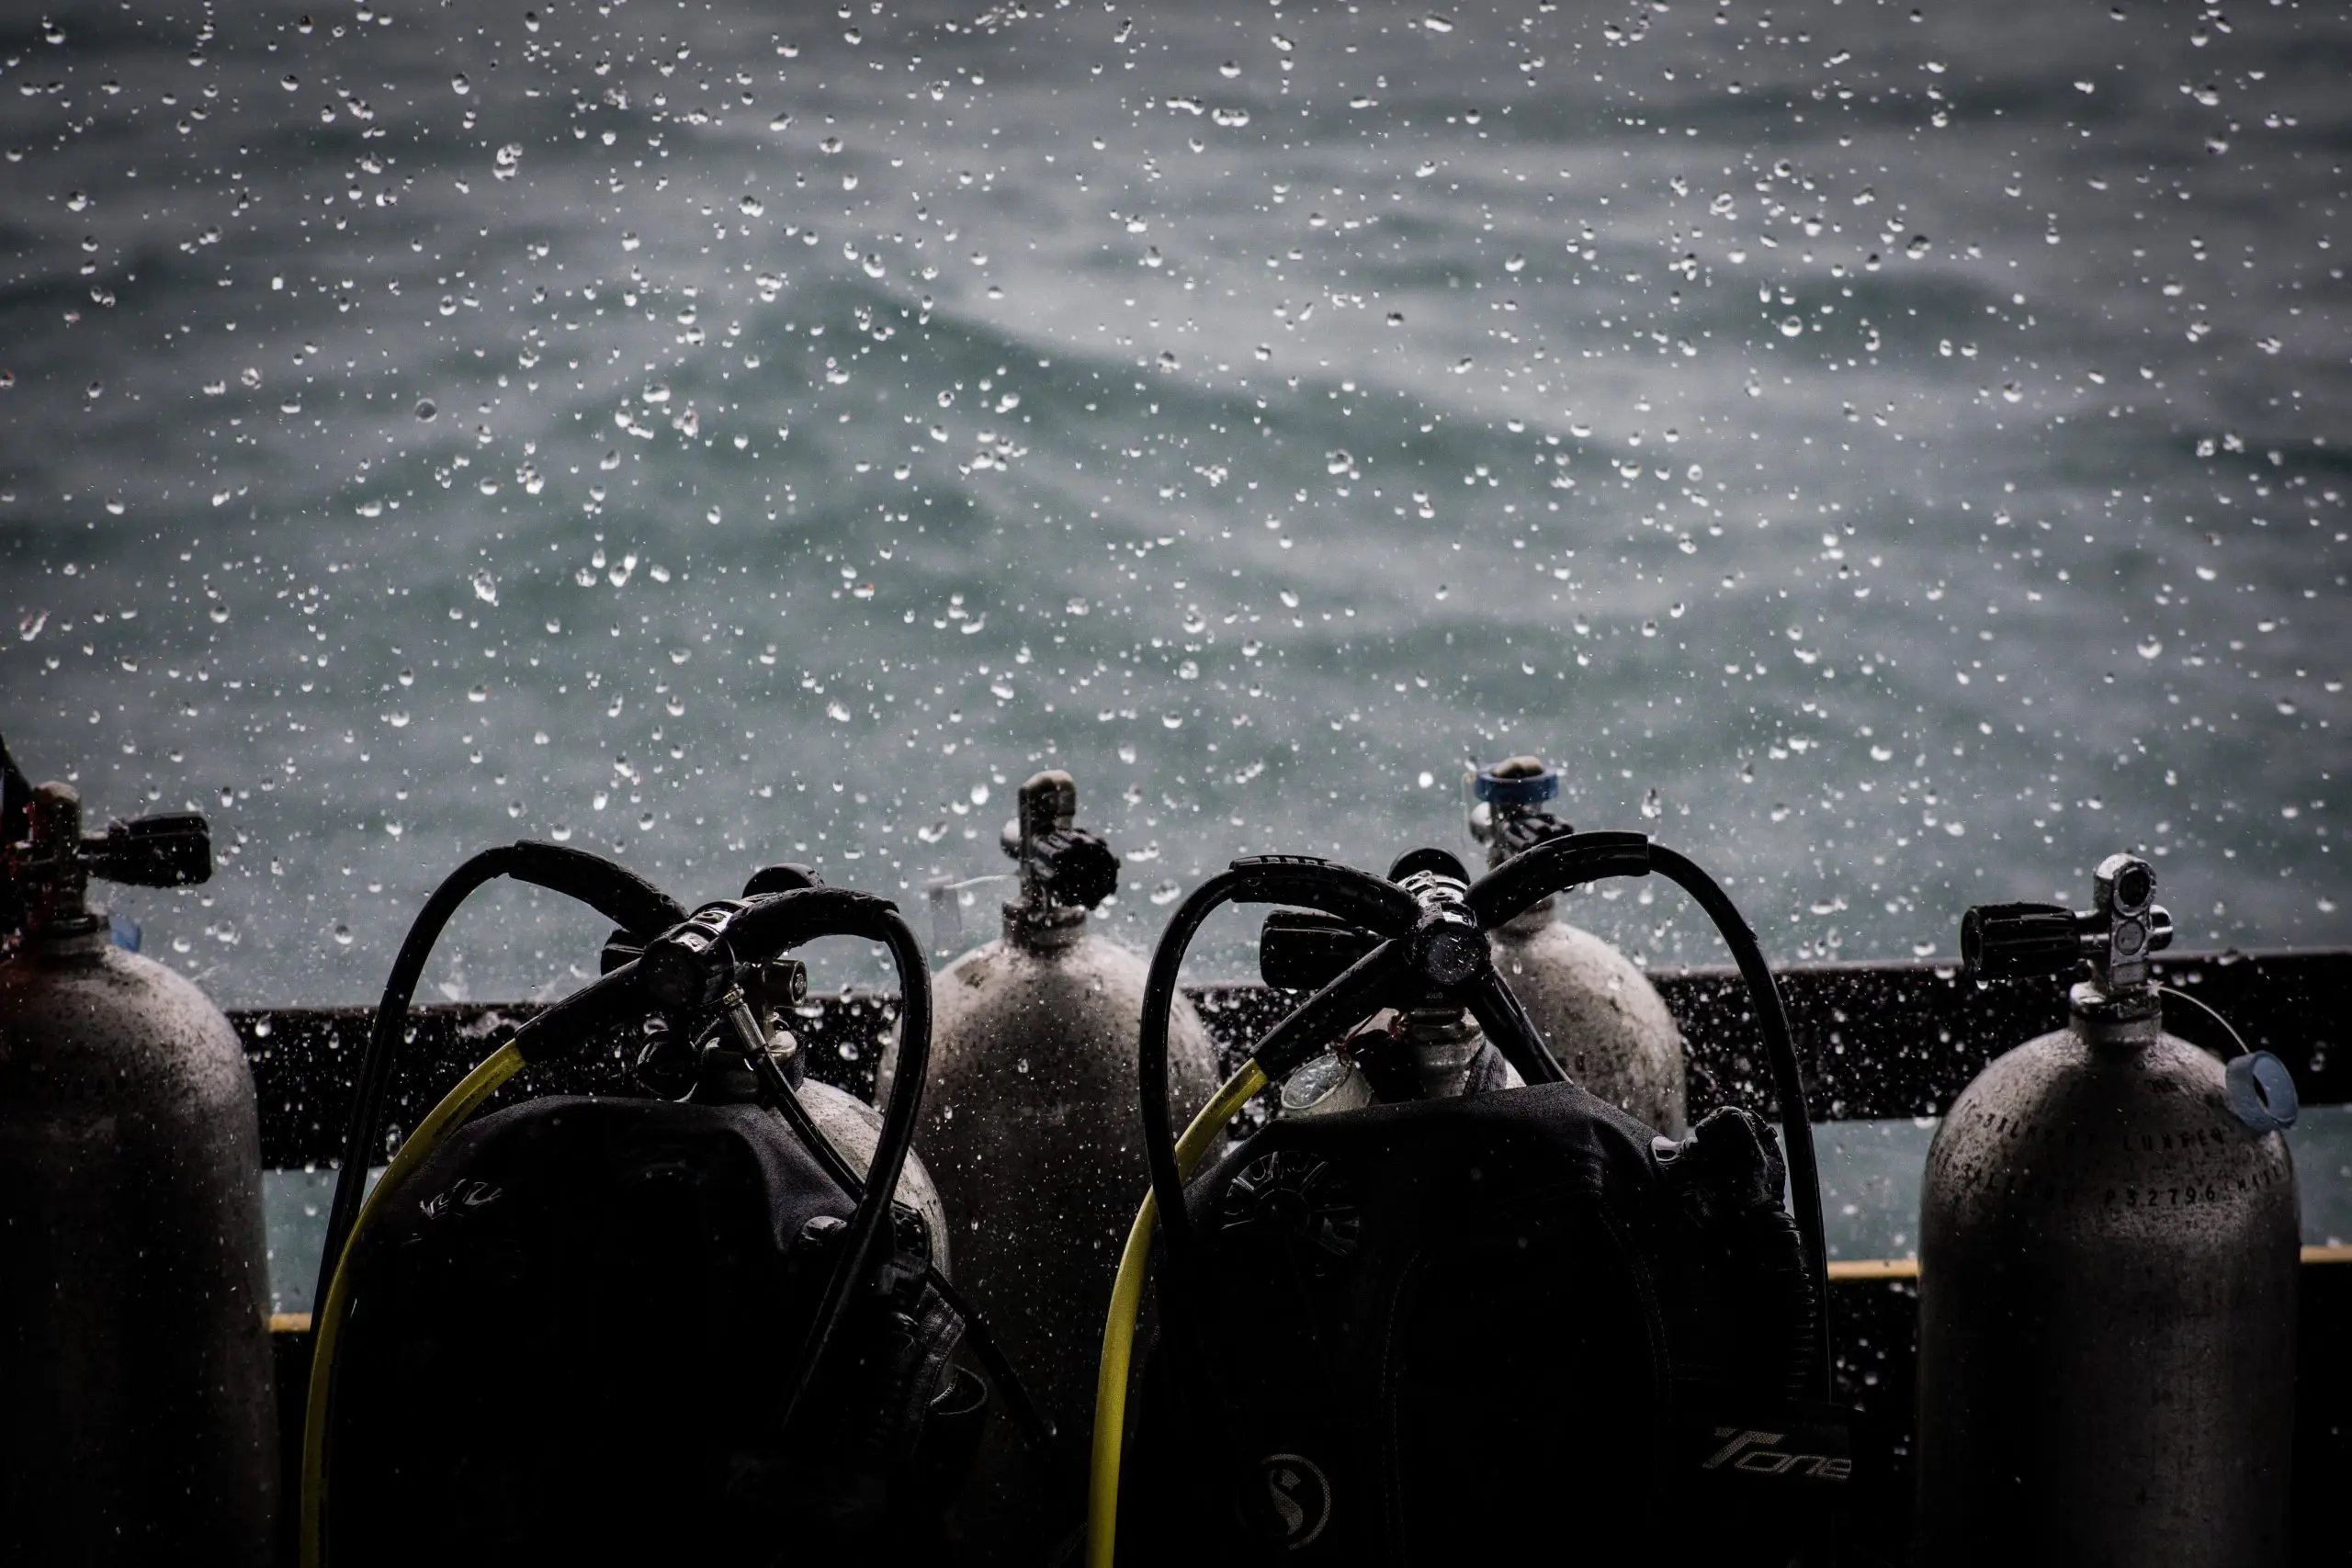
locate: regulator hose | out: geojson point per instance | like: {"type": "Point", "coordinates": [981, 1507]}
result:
{"type": "Point", "coordinates": [777, 921]}
{"type": "Point", "coordinates": [1126, 1306]}
{"type": "Point", "coordinates": [613, 891]}
{"type": "Point", "coordinates": [1787, 1086]}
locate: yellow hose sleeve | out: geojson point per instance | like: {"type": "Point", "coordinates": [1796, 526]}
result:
{"type": "Point", "coordinates": [446, 1117]}
{"type": "Point", "coordinates": [1126, 1301]}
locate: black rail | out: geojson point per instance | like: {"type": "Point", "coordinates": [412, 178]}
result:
{"type": "Point", "coordinates": [1876, 1040]}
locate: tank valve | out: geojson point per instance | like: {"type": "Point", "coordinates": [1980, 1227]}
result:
{"type": "Point", "coordinates": [1512, 814]}
{"type": "Point", "coordinates": [1065, 869]}
{"type": "Point", "coordinates": [46, 860]}
{"type": "Point", "coordinates": [2119, 936]}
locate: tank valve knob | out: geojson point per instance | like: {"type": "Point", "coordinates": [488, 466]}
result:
{"type": "Point", "coordinates": [2119, 936]}
{"type": "Point", "coordinates": [171, 849]}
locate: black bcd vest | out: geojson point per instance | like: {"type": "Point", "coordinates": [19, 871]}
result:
{"type": "Point", "coordinates": [570, 1341]}
{"type": "Point", "coordinates": [1454, 1331]}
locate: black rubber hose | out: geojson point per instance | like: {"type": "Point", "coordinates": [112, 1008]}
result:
{"type": "Point", "coordinates": [1788, 1084]}
{"type": "Point", "coordinates": [1554, 866]}
{"type": "Point", "coordinates": [563, 1027]}
{"type": "Point", "coordinates": [776, 922]}
{"type": "Point", "coordinates": [1358, 896]}
{"type": "Point", "coordinates": [978, 1332]}
{"type": "Point", "coordinates": [618, 894]}
{"type": "Point", "coordinates": [1354, 994]}
{"type": "Point", "coordinates": [1229, 885]}
{"type": "Point", "coordinates": [1497, 1007]}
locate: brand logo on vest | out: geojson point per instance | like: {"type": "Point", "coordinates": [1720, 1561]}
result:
{"type": "Point", "coordinates": [1754, 1453]}
{"type": "Point", "coordinates": [468, 1194]}
{"type": "Point", "coordinates": [1298, 1495]}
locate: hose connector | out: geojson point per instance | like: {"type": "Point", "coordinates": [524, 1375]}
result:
{"type": "Point", "coordinates": [688, 967]}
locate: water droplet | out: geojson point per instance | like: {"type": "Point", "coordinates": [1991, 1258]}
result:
{"type": "Point", "coordinates": [1167, 892]}
{"type": "Point", "coordinates": [1919, 247]}
{"type": "Point", "coordinates": [485, 587]}
{"type": "Point", "coordinates": [2151, 648]}
{"type": "Point", "coordinates": [459, 85]}
{"type": "Point", "coordinates": [342, 934]}
{"type": "Point", "coordinates": [1438, 24]}
{"type": "Point", "coordinates": [753, 207]}
{"type": "Point", "coordinates": [1791, 326]}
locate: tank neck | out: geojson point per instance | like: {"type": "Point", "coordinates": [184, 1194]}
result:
{"type": "Point", "coordinates": [57, 883]}
{"type": "Point", "coordinates": [88, 939]}
{"type": "Point", "coordinates": [2124, 1018]}
{"type": "Point", "coordinates": [1043, 928]}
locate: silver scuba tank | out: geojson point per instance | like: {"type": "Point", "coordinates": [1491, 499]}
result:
{"type": "Point", "coordinates": [138, 1422]}
{"type": "Point", "coordinates": [1030, 1124]}
{"type": "Point", "coordinates": [1600, 1015]}
{"type": "Point", "coordinates": [2107, 1273]}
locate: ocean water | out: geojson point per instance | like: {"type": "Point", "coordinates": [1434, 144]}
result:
{"type": "Point", "coordinates": [1895, 454]}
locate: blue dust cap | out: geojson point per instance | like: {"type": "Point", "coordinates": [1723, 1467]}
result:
{"type": "Point", "coordinates": [1520, 781]}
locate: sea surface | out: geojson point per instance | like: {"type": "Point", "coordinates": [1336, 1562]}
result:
{"type": "Point", "coordinates": [1895, 454]}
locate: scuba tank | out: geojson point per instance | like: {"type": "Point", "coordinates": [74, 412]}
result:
{"type": "Point", "coordinates": [715, 1336]}
{"type": "Point", "coordinates": [1601, 1016]}
{"type": "Point", "coordinates": [2108, 1271]}
{"type": "Point", "coordinates": [1431, 1332]}
{"type": "Point", "coordinates": [1030, 1123]}
{"type": "Point", "coordinates": [1427, 1047]}
{"type": "Point", "coordinates": [138, 1421]}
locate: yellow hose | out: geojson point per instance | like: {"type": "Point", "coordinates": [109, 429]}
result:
{"type": "Point", "coordinates": [1126, 1301]}
{"type": "Point", "coordinates": [460, 1103]}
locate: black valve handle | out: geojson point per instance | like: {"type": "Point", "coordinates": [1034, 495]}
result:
{"type": "Point", "coordinates": [170, 849]}
{"type": "Point", "coordinates": [2017, 941]}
